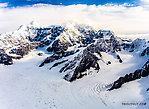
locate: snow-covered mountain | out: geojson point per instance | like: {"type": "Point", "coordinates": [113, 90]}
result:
{"type": "Point", "coordinates": [75, 52]}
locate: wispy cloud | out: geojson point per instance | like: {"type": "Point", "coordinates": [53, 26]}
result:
{"type": "Point", "coordinates": [119, 19]}
{"type": "Point", "coordinates": [145, 1]}
{"type": "Point", "coordinates": [2, 5]}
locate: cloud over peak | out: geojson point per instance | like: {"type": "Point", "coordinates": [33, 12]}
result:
{"type": "Point", "coordinates": [119, 19]}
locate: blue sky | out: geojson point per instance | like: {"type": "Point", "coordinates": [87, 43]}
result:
{"type": "Point", "coordinates": [14, 3]}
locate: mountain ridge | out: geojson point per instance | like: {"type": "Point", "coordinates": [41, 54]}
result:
{"type": "Point", "coordinates": [82, 42]}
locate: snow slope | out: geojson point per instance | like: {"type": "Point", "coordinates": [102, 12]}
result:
{"type": "Point", "coordinates": [26, 86]}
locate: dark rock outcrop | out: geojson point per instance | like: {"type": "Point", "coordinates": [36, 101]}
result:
{"type": "Point", "coordinates": [24, 49]}
{"type": "Point", "coordinates": [135, 45]}
{"type": "Point", "coordinates": [145, 52]}
{"type": "Point", "coordinates": [58, 63]}
{"type": "Point", "coordinates": [90, 57]}
{"type": "Point", "coordinates": [70, 38]}
{"type": "Point", "coordinates": [40, 54]}
{"type": "Point", "coordinates": [47, 35]}
{"type": "Point", "coordinates": [143, 72]}
{"type": "Point", "coordinates": [88, 60]}
{"type": "Point", "coordinates": [56, 39]}
{"type": "Point", "coordinates": [58, 46]}
{"type": "Point", "coordinates": [56, 56]}
{"type": "Point", "coordinates": [26, 38]}
{"type": "Point", "coordinates": [5, 59]}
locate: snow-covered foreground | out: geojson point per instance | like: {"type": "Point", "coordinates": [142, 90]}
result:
{"type": "Point", "coordinates": [24, 85]}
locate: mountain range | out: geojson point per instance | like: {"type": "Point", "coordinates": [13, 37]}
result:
{"type": "Point", "coordinates": [77, 51]}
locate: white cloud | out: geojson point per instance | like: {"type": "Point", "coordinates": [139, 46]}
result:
{"type": "Point", "coordinates": [116, 18]}
{"type": "Point", "coordinates": [2, 5]}
{"type": "Point", "coordinates": [145, 1]}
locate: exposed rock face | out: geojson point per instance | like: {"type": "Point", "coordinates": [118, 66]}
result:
{"type": "Point", "coordinates": [143, 72]}
{"type": "Point", "coordinates": [21, 42]}
{"type": "Point", "coordinates": [58, 46]}
{"type": "Point", "coordinates": [40, 54]}
{"type": "Point", "coordinates": [87, 61]}
{"type": "Point", "coordinates": [82, 36]}
{"type": "Point", "coordinates": [135, 45]}
{"type": "Point", "coordinates": [78, 35]}
{"type": "Point", "coordinates": [4, 58]}
{"type": "Point", "coordinates": [90, 57]}
{"type": "Point", "coordinates": [145, 52]}
{"type": "Point", "coordinates": [56, 39]}
{"type": "Point", "coordinates": [56, 56]}
{"type": "Point", "coordinates": [58, 63]}
{"type": "Point", "coordinates": [23, 50]}
{"type": "Point", "coordinates": [26, 38]}
{"type": "Point", "coordinates": [48, 35]}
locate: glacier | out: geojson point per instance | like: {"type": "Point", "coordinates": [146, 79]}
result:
{"type": "Point", "coordinates": [72, 66]}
